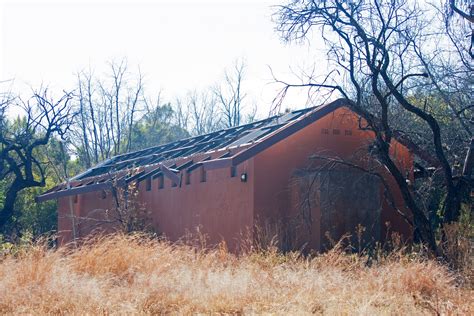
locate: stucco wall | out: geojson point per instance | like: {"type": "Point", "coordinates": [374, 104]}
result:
{"type": "Point", "coordinates": [335, 135]}
{"type": "Point", "coordinates": [86, 211]}
{"type": "Point", "coordinates": [222, 206]}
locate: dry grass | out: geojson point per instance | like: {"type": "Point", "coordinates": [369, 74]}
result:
{"type": "Point", "coordinates": [138, 275]}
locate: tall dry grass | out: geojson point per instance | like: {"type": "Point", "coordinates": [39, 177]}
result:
{"type": "Point", "coordinates": [140, 275]}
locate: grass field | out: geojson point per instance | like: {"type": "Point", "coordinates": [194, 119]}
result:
{"type": "Point", "coordinates": [139, 275]}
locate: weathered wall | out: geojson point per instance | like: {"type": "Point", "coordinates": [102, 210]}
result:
{"type": "Point", "coordinates": [336, 135]}
{"type": "Point", "coordinates": [89, 215]}
{"type": "Point", "coordinates": [222, 206]}
{"type": "Point", "coordinates": [335, 202]}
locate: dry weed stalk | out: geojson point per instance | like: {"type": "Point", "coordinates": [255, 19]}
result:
{"type": "Point", "coordinates": [138, 274]}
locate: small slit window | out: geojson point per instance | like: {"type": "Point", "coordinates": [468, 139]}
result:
{"type": "Point", "coordinates": [103, 194]}
{"type": "Point", "coordinates": [187, 178]}
{"type": "Point", "coordinates": [203, 175]}
{"type": "Point", "coordinates": [148, 184]}
{"type": "Point", "coordinates": [233, 171]}
{"type": "Point", "coordinates": [75, 199]}
{"type": "Point", "coordinates": [161, 182]}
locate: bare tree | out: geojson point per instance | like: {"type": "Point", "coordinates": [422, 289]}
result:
{"type": "Point", "coordinates": [373, 46]}
{"type": "Point", "coordinates": [181, 115]}
{"type": "Point", "coordinates": [109, 108]}
{"type": "Point", "coordinates": [203, 113]}
{"type": "Point", "coordinates": [83, 120]}
{"type": "Point", "coordinates": [132, 107]}
{"type": "Point", "coordinates": [118, 71]}
{"type": "Point", "coordinates": [19, 144]}
{"type": "Point", "coordinates": [219, 106]}
{"type": "Point", "coordinates": [458, 18]}
{"type": "Point", "coordinates": [150, 109]}
{"type": "Point", "coordinates": [230, 95]}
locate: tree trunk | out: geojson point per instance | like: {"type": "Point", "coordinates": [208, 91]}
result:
{"type": "Point", "coordinates": [423, 231]}
{"type": "Point", "coordinates": [8, 207]}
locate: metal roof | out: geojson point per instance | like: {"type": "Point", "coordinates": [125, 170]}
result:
{"type": "Point", "coordinates": [223, 139]}
{"type": "Point", "coordinates": [224, 148]}
{"type": "Point", "coordinates": [220, 149]}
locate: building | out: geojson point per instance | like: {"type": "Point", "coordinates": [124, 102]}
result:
{"type": "Point", "coordinates": [305, 176]}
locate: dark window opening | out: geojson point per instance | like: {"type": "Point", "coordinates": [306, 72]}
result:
{"type": "Point", "coordinates": [187, 178]}
{"type": "Point", "coordinates": [103, 194]}
{"type": "Point", "coordinates": [203, 175]}
{"type": "Point", "coordinates": [336, 132]}
{"type": "Point", "coordinates": [75, 199]}
{"type": "Point", "coordinates": [324, 131]}
{"type": "Point", "coordinates": [148, 184]}
{"type": "Point", "coordinates": [233, 171]}
{"type": "Point", "coordinates": [161, 182]}
{"type": "Point", "coordinates": [348, 132]}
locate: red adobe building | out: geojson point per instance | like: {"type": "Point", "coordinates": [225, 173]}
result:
{"type": "Point", "coordinates": [283, 173]}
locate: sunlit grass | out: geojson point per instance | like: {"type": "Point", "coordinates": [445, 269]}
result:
{"type": "Point", "coordinates": [140, 275]}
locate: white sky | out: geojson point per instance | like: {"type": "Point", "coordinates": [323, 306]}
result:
{"type": "Point", "coordinates": [179, 45]}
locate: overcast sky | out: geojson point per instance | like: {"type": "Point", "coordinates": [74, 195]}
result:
{"type": "Point", "coordinates": [179, 45]}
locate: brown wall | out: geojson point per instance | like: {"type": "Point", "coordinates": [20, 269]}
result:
{"type": "Point", "coordinates": [336, 135]}
{"type": "Point", "coordinates": [89, 205]}
{"type": "Point", "coordinates": [222, 206]}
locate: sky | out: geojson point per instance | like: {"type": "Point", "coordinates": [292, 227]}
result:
{"type": "Point", "coordinates": [179, 45]}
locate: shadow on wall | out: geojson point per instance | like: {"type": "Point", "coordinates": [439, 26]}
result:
{"type": "Point", "coordinates": [327, 206]}
{"type": "Point", "coordinates": [128, 214]}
